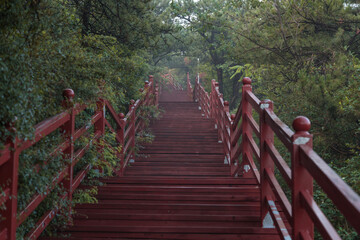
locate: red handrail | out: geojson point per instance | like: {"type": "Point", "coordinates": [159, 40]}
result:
{"type": "Point", "coordinates": [126, 128]}
{"type": "Point", "coordinates": [237, 132]}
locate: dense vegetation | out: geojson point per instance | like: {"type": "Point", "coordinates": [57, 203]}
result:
{"type": "Point", "coordinates": [302, 54]}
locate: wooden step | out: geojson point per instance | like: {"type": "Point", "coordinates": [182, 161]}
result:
{"type": "Point", "coordinates": [177, 188]}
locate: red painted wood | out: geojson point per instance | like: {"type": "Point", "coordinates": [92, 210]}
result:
{"type": "Point", "coordinates": [266, 163]}
{"type": "Point", "coordinates": [178, 187]}
{"type": "Point", "coordinates": [302, 179]}
{"type": "Point", "coordinates": [346, 199]}
{"type": "Point", "coordinates": [66, 121]}
{"type": "Point", "coordinates": [322, 224]}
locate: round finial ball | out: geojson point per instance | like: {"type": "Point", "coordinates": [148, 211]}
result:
{"type": "Point", "coordinates": [121, 115]}
{"type": "Point", "coordinates": [301, 124]}
{"type": "Point", "coordinates": [232, 117]}
{"type": "Point", "coordinates": [246, 81]}
{"type": "Point", "coordinates": [68, 93]}
{"type": "Point", "coordinates": [132, 101]}
{"type": "Point", "coordinates": [146, 82]}
{"type": "Point", "coordinates": [226, 103]}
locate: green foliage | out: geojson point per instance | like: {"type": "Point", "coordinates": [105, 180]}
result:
{"type": "Point", "coordinates": [45, 48]}
{"type": "Point", "coordinates": [303, 55]}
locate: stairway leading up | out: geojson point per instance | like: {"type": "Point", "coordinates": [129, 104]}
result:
{"type": "Point", "coordinates": [177, 188]}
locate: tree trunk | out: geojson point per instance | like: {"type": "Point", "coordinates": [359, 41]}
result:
{"type": "Point", "coordinates": [235, 99]}
{"type": "Point", "coordinates": [85, 17]}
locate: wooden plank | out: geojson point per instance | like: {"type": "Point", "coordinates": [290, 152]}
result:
{"type": "Point", "coordinates": [253, 100]}
{"type": "Point", "coordinates": [46, 127]}
{"type": "Point", "coordinates": [279, 223]}
{"type": "Point", "coordinates": [178, 188]}
{"type": "Point", "coordinates": [279, 162]}
{"type": "Point", "coordinates": [320, 220]}
{"type": "Point", "coordinates": [282, 131]}
{"type": "Point", "coordinates": [279, 194]}
{"type": "Point", "coordinates": [38, 198]}
{"type": "Point", "coordinates": [345, 199]}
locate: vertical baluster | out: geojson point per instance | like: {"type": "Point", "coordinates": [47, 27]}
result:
{"type": "Point", "coordinates": [9, 176]}
{"type": "Point", "coordinates": [246, 130]}
{"type": "Point", "coordinates": [212, 105]}
{"type": "Point", "coordinates": [266, 135]}
{"type": "Point", "coordinates": [157, 95]}
{"type": "Point", "coordinates": [302, 180]}
{"type": "Point", "coordinates": [232, 160]}
{"type": "Point", "coordinates": [196, 90]}
{"type": "Point", "coordinates": [188, 84]}
{"type": "Point", "coordinates": [221, 117]}
{"type": "Point", "coordinates": [226, 133]}
{"type": "Point", "coordinates": [132, 126]}
{"type": "Point", "coordinates": [68, 131]}
{"type": "Point", "coordinates": [120, 131]}
{"type": "Point", "coordinates": [151, 81]}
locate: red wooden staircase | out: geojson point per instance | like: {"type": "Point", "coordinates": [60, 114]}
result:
{"type": "Point", "coordinates": [178, 188]}
{"type": "Point", "coordinates": [206, 175]}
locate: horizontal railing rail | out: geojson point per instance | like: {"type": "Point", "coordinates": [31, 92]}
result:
{"type": "Point", "coordinates": [249, 149]}
{"type": "Point", "coordinates": [125, 131]}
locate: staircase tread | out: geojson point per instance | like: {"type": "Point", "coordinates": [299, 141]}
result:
{"type": "Point", "coordinates": [177, 188]}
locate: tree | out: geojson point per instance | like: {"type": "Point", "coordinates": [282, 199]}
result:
{"type": "Point", "coordinates": [207, 19]}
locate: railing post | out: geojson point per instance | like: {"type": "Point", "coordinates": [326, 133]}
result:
{"type": "Point", "coordinates": [188, 84]}
{"type": "Point", "coordinates": [121, 134]}
{"type": "Point", "coordinates": [216, 103]}
{"type": "Point", "coordinates": [132, 126]}
{"type": "Point", "coordinates": [246, 130]}
{"type": "Point", "coordinates": [196, 91]}
{"type": "Point", "coordinates": [69, 130]}
{"type": "Point", "coordinates": [227, 137]}
{"type": "Point", "coordinates": [9, 175]}
{"type": "Point", "coordinates": [212, 98]}
{"type": "Point", "coordinates": [99, 125]}
{"type": "Point", "coordinates": [266, 135]}
{"type": "Point", "coordinates": [157, 96]}
{"type": "Point", "coordinates": [301, 179]}
{"type": "Point", "coordinates": [151, 81]}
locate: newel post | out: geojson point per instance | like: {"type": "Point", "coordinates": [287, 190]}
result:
{"type": "Point", "coordinates": [301, 179]}
{"type": "Point", "coordinates": [68, 132]}
{"type": "Point", "coordinates": [212, 99]}
{"type": "Point", "coordinates": [188, 83]}
{"type": "Point", "coordinates": [216, 102]}
{"type": "Point", "coordinates": [246, 129]}
{"type": "Point", "coordinates": [227, 137]}
{"type": "Point", "coordinates": [151, 81]}
{"type": "Point", "coordinates": [196, 91]}
{"type": "Point", "coordinates": [266, 136]}
{"type": "Point", "coordinates": [9, 177]}
{"type": "Point", "coordinates": [157, 96]}
{"type": "Point", "coordinates": [132, 126]}
{"type": "Point", "coordinates": [121, 134]}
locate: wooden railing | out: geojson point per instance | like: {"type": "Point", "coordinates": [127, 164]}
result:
{"type": "Point", "coordinates": [170, 81]}
{"type": "Point", "coordinates": [240, 133]}
{"type": "Point", "coordinates": [126, 128]}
